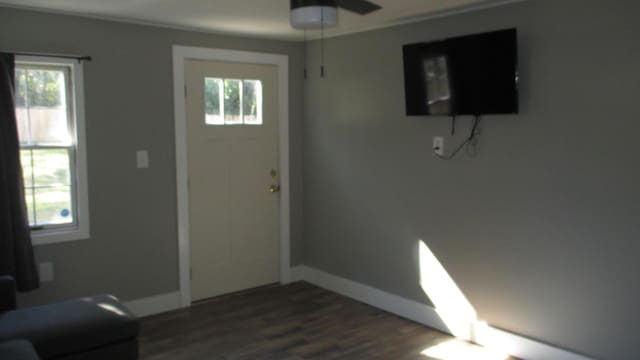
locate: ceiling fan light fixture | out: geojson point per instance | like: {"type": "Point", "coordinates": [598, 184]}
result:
{"type": "Point", "coordinates": [314, 17]}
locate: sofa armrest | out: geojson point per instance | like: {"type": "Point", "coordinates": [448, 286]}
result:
{"type": "Point", "coordinates": [18, 350]}
{"type": "Point", "coordinates": [7, 293]}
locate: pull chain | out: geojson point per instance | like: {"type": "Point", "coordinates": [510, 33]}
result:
{"type": "Point", "coordinates": [304, 54]}
{"type": "Point", "coordinates": [322, 42]}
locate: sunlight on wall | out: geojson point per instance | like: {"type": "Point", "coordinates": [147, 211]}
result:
{"type": "Point", "coordinates": [450, 303]}
{"type": "Point", "coordinates": [458, 315]}
{"type": "Point", "coordinates": [460, 350]}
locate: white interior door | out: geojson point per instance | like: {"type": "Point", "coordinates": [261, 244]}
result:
{"type": "Point", "coordinates": [232, 148]}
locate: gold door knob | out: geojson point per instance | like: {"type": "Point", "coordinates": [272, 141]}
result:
{"type": "Point", "coordinates": [274, 188]}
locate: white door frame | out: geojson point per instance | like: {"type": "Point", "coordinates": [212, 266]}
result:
{"type": "Point", "coordinates": [180, 54]}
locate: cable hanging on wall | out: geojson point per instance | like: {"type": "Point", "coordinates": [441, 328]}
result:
{"type": "Point", "coordinates": [470, 143]}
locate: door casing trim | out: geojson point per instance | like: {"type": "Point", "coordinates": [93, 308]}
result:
{"type": "Point", "coordinates": [180, 55]}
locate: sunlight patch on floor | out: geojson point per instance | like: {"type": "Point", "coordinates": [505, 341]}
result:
{"type": "Point", "coordinates": [460, 350]}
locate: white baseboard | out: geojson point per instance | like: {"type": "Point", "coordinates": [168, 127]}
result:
{"type": "Point", "coordinates": [519, 346]}
{"type": "Point", "coordinates": [155, 304]}
{"type": "Point", "coordinates": [400, 306]}
{"type": "Point", "coordinates": [296, 273]}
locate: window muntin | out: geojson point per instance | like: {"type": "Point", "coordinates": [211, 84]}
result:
{"type": "Point", "coordinates": [232, 101]}
{"type": "Point", "coordinates": [50, 120]}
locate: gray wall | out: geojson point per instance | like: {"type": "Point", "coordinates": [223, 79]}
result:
{"type": "Point", "coordinates": [132, 251]}
{"type": "Point", "coordinates": [541, 230]}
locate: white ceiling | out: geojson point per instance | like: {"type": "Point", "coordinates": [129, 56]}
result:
{"type": "Point", "coordinates": [257, 18]}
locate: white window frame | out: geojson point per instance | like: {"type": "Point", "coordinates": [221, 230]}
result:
{"type": "Point", "coordinates": [79, 230]}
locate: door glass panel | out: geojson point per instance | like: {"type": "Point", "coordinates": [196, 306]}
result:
{"type": "Point", "coordinates": [252, 102]}
{"type": "Point", "coordinates": [232, 101]}
{"type": "Point", "coordinates": [232, 98]}
{"type": "Point", "coordinates": [212, 95]}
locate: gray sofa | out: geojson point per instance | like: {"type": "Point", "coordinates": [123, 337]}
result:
{"type": "Point", "coordinates": [18, 350]}
{"type": "Point", "coordinates": [92, 328]}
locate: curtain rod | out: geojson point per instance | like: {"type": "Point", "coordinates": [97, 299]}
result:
{"type": "Point", "coordinates": [76, 57]}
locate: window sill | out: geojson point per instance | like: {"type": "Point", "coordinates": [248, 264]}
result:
{"type": "Point", "coordinates": [46, 237]}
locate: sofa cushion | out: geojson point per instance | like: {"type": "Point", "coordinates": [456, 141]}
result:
{"type": "Point", "coordinates": [70, 326]}
{"type": "Point", "coordinates": [17, 350]}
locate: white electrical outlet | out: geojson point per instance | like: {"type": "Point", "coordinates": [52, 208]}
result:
{"type": "Point", "coordinates": [46, 272]}
{"type": "Point", "coordinates": [438, 145]}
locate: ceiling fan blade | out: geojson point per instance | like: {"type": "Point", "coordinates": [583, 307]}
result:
{"type": "Point", "coordinates": [361, 7]}
{"type": "Point", "coordinates": [294, 4]}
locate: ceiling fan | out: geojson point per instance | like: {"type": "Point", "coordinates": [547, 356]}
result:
{"type": "Point", "coordinates": [315, 14]}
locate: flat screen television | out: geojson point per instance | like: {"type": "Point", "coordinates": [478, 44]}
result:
{"type": "Point", "coordinates": [468, 75]}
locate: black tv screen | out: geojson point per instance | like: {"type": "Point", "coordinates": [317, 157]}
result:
{"type": "Point", "coordinates": [468, 75]}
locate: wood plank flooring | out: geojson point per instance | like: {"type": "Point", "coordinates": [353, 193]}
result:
{"type": "Point", "coordinates": [293, 322]}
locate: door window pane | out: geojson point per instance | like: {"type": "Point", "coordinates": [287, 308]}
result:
{"type": "Point", "coordinates": [212, 97]}
{"type": "Point", "coordinates": [252, 102]}
{"type": "Point", "coordinates": [232, 96]}
{"type": "Point", "coordinates": [232, 101]}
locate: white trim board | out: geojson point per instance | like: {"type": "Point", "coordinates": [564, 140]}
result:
{"type": "Point", "coordinates": [523, 347]}
{"type": "Point", "coordinates": [180, 55]}
{"type": "Point", "coordinates": [154, 305]}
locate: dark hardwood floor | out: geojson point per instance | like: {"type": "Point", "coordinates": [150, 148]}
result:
{"type": "Point", "coordinates": [293, 322]}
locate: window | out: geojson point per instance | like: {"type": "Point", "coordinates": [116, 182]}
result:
{"type": "Point", "coordinates": [50, 119]}
{"type": "Point", "coordinates": [232, 101]}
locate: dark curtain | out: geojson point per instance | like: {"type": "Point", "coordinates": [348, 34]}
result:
{"type": "Point", "coordinates": [16, 250]}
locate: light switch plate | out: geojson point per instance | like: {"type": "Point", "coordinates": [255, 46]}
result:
{"type": "Point", "coordinates": [46, 272]}
{"type": "Point", "coordinates": [142, 159]}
